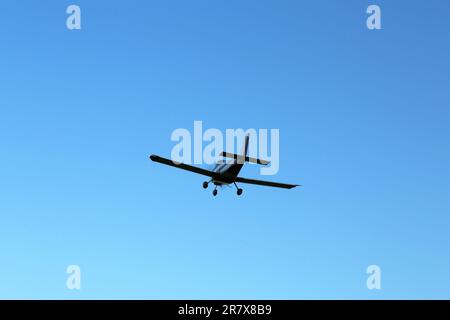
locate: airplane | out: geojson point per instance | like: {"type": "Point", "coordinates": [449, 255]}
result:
{"type": "Point", "coordinates": [226, 173]}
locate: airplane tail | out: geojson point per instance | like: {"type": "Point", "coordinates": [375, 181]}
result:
{"type": "Point", "coordinates": [245, 146]}
{"type": "Point", "coordinates": [244, 156]}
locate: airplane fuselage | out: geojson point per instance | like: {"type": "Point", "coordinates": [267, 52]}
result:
{"type": "Point", "coordinates": [228, 173]}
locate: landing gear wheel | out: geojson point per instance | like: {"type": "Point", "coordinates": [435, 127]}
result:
{"type": "Point", "coordinates": [205, 185]}
{"type": "Point", "coordinates": [239, 191]}
{"type": "Point", "coordinates": [215, 192]}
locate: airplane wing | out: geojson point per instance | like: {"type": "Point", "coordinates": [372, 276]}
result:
{"type": "Point", "coordinates": [183, 166]}
{"type": "Point", "coordinates": [267, 183]}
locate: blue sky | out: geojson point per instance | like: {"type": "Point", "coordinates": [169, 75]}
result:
{"type": "Point", "coordinates": [363, 118]}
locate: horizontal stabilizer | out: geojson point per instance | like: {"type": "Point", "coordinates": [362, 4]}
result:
{"type": "Point", "coordinates": [241, 158]}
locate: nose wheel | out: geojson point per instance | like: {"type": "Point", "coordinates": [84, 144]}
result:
{"type": "Point", "coordinates": [205, 185]}
{"type": "Point", "coordinates": [238, 190]}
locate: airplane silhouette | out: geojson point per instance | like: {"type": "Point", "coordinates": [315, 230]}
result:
{"type": "Point", "coordinates": [225, 173]}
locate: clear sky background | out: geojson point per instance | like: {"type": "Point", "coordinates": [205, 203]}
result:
{"type": "Point", "coordinates": [364, 126]}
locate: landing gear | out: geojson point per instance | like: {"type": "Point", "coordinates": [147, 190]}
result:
{"type": "Point", "coordinates": [239, 190]}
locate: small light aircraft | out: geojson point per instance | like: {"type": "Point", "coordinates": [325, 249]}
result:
{"type": "Point", "coordinates": [226, 172]}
